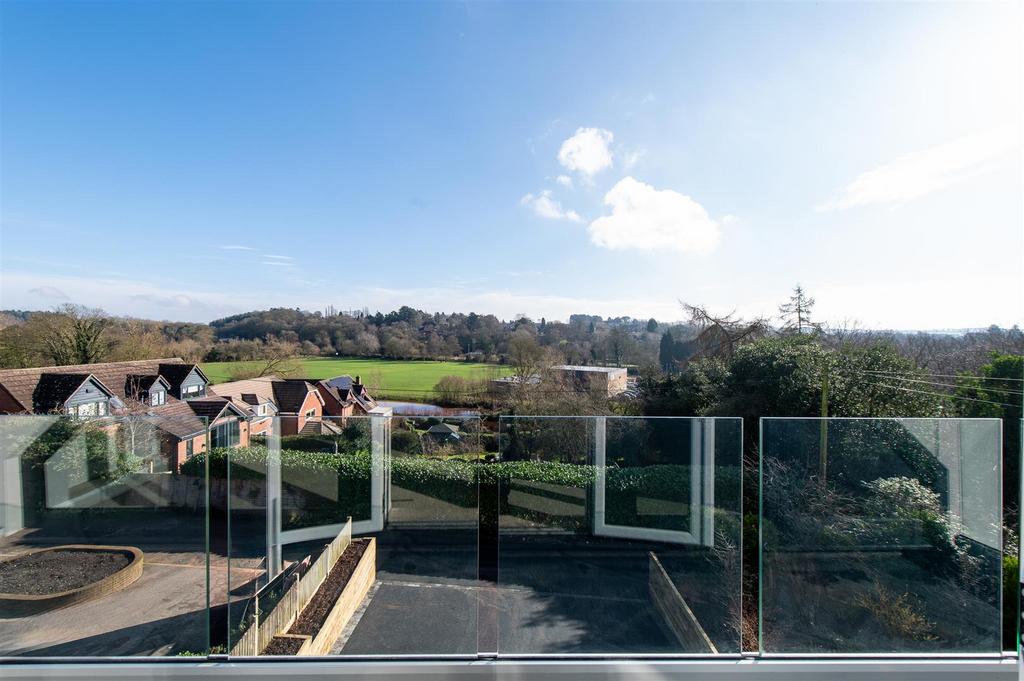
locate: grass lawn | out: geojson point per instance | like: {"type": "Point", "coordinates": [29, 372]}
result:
{"type": "Point", "coordinates": [386, 378]}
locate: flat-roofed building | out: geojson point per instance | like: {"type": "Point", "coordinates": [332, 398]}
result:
{"type": "Point", "coordinates": [605, 380]}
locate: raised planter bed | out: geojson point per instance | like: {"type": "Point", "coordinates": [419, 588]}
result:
{"type": "Point", "coordinates": [59, 576]}
{"type": "Point", "coordinates": [288, 644]}
{"type": "Point", "coordinates": [339, 596]}
{"type": "Point", "coordinates": [334, 603]}
{"type": "Point", "coordinates": [675, 611]}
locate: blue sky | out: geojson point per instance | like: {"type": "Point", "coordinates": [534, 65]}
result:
{"type": "Point", "coordinates": [193, 160]}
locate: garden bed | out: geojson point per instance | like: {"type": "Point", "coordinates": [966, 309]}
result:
{"type": "Point", "coordinates": [329, 609]}
{"type": "Point", "coordinates": [57, 577]}
{"type": "Point", "coordinates": [286, 645]}
{"type": "Point", "coordinates": [312, 620]}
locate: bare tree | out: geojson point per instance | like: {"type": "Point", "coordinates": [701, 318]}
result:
{"type": "Point", "coordinates": [796, 314]}
{"type": "Point", "coordinates": [137, 339]}
{"type": "Point", "coordinates": [525, 355]}
{"type": "Point", "coordinates": [76, 336]}
{"type": "Point", "coordinates": [277, 358]}
{"type": "Point", "coordinates": [718, 336]}
{"type": "Point", "coordinates": [618, 344]}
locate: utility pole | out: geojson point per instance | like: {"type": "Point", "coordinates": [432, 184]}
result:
{"type": "Point", "coordinates": [823, 441]}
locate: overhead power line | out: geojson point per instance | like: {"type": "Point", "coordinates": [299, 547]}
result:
{"type": "Point", "coordinates": [962, 377]}
{"type": "Point", "coordinates": [946, 396]}
{"type": "Point", "coordinates": [1006, 391]}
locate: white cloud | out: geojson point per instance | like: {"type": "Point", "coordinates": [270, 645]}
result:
{"type": "Point", "coordinates": [51, 292]}
{"type": "Point", "coordinates": [277, 257]}
{"type": "Point", "coordinates": [178, 300]}
{"type": "Point", "coordinates": [129, 296]}
{"type": "Point", "coordinates": [917, 174]}
{"type": "Point", "coordinates": [237, 248]}
{"type": "Point", "coordinates": [546, 206]}
{"type": "Point", "coordinates": [646, 218]}
{"type": "Point", "coordinates": [587, 151]}
{"type": "Point", "coordinates": [633, 157]}
{"type": "Point", "coordinates": [565, 181]}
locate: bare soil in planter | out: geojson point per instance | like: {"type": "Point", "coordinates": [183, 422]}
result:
{"type": "Point", "coordinates": [313, 617]}
{"type": "Point", "coordinates": [283, 645]}
{"type": "Point", "coordinates": [48, 572]}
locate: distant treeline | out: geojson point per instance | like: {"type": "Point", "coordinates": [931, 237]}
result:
{"type": "Point", "coordinates": [29, 338]}
{"type": "Point", "coordinates": [73, 334]}
{"type": "Point", "coordinates": [408, 333]}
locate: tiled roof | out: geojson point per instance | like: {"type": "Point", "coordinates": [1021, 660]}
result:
{"type": "Point", "coordinates": [261, 388]}
{"type": "Point", "coordinates": [211, 407]}
{"type": "Point", "coordinates": [176, 372]}
{"type": "Point", "coordinates": [346, 390]}
{"type": "Point", "coordinates": [21, 383]}
{"type": "Point", "coordinates": [53, 390]}
{"type": "Point", "coordinates": [177, 418]}
{"type": "Point", "coordinates": [248, 393]}
{"type": "Point", "coordinates": [186, 418]}
{"type": "Point", "coordinates": [289, 394]}
{"type": "Point", "coordinates": [343, 382]}
{"type": "Point", "coordinates": [136, 385]}
{"type": "Point", "coordinates": [326, 388]}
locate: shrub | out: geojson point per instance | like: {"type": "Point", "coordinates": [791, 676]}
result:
{"type": "Point", "coordinates": [1011, 587]}
{"type": "Point", "coordinates": [309, 443]}
{"type": "Point", "coordinates": [83, 448]}
{"type": "Point", "coordinates": [453, 480]}
{"type": "Point", "coordinates": [406, 441]}
{"type": "Point", "coordinates": [901, 498]}
{"type": "Point", "coordinates": [900, 615]}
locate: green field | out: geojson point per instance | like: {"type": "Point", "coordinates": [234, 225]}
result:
{"type": "Point", "coordinates": [386, 378]}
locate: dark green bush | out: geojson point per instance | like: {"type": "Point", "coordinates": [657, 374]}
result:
{"type": "Point", "coordinates": [1011, 588]}
{"type": "Point", "coordinates": [309, 443]}
{"type": "Point", "coordinates": [406, 441]}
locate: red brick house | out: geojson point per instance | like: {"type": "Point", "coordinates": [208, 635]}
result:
{"type": "Point", "coordinates": [344, 396]}
{"type": "Point", "coordinates": [300, 407]}
{"type": "Point", "coordinates": [306, 406]}
{"type": "Point", "coordinates": [254, 396]}
{"type": "Point", "coordinates": [169, 393]}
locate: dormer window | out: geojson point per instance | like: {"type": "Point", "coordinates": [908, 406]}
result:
{"type": "Point", "coordinates": [190, 391]}
{"type": "Point", "coordinates": [157, 397]}
{"type": "Point", "coordinates": [89, 409]}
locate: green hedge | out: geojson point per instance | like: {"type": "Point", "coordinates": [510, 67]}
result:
{"type": "Point", "coordinates": [455, 481]}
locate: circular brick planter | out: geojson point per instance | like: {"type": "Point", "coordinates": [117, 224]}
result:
{"type": "Point", "coordinates": [21, 605]}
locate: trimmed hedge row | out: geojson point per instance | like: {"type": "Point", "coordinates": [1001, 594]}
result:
{"type": "Point", "coordinates": [452, 480]}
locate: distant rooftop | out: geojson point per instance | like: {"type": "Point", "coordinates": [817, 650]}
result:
{"type": "Point", "coordinates": [580, 367]}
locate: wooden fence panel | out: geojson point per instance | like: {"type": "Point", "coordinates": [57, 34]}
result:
{"type": "Point", "coordinates": [277, 621]}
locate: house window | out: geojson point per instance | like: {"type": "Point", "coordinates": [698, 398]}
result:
{"type": "Point", "coordinates": [311, 414]}
{"type": "Point", "coordinates": [157, 398]}
{"type": "Point", "coordinates": [263, 410]}
{"type": "Point", "coordinates": [189, 449]}
{"type": "Point", "coordinates": [89, 409]}
{"type": "Point", "coordinates": [188, 391]}
{"type": "Point", "coordinates": [225, 435]}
